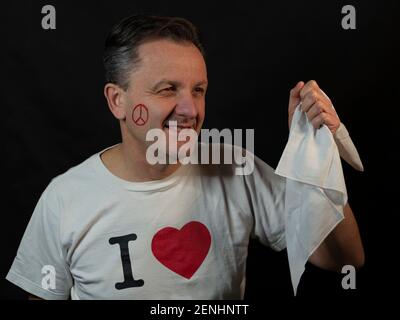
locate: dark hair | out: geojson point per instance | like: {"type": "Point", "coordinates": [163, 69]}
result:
{"type": "Point", "coordinates": [122, 43]}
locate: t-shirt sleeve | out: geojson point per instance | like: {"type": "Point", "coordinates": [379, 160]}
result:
{"type": "Point", "coordinates": [266, 191]}
{"type": "Point", "coordinates": [40, 266]}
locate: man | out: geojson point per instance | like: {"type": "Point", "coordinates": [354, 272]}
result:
{"type": "Point", "coordinates": [117, 227]}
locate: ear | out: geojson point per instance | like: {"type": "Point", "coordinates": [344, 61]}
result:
{"type": "Point", "coordinates": [116, 100]}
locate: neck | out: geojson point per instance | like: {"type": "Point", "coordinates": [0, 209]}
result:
{"type": "Point", "coordinates": [138, 168]}
{"type": "Point", "coordinates": [127, 161]}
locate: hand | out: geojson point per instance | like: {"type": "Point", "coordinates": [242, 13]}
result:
{"type": "Point", "coordinates": [315, 103]}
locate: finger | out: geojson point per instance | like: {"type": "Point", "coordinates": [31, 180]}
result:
{"type": "Point", "coordinates": [309, 86]}
{"type": "Point", "coordinates": [326, 119]}
{"type": "Point", "coordinates": [317, 96]}
{"type": "Point", "coordinates": [315, 110]}
{"type": "Point", "coordinates": [309, 100]}
{"type": "Point", "coordinates": [294, 97]}
{"type": "Point", "coordinates": [319, 120]}
{"type": "Point", "coordinates": [318, 107]}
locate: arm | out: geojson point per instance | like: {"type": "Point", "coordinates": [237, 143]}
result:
{"type": "Point", "coordinates": [342, 246]}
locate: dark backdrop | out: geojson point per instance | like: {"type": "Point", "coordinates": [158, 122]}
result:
{"type": "Point", "coordinates": [54, 114]}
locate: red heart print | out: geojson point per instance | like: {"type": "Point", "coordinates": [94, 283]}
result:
{"type": "Point", "coordinates": [182, 251]}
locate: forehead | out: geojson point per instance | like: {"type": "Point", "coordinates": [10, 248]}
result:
{"type": "Point", "coordinates": [166, 58]}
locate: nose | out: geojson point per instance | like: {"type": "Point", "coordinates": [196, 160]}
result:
{"type": "Point", "coordinates": [186, 106]}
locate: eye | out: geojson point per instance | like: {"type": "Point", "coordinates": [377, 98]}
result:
{"type": "Point", "coordinates": [199, 90]}
{"type": "Point", "coordinates": [168, 89]}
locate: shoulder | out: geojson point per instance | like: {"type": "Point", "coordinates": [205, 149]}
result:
{"type": "Point", "coordinates": [83, 172]}
{"type": "Point", "coordinates": [75, 181]}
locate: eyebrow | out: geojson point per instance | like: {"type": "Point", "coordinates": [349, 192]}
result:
{"type": "Point", "coordinates": [173, 83]}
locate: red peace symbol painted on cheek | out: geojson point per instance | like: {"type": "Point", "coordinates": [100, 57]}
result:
{"type": "Point", "coordinates": [140, 114]}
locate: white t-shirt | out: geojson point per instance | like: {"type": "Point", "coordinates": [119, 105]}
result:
{"type": "Point", "coordinates": [182, 237]}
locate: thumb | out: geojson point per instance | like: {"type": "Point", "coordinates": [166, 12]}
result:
{"type": "Point", "coordinates": [294, 100]}
{"type": "Point", "coordinates": [294, 97]}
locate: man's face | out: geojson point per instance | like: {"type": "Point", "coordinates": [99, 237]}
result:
{"type": "Point", "coordinates": [171, 82]}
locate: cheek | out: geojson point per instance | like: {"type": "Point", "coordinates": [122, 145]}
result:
{"type": "Point", "coordinates": [160, 111]}
{"type": "Point", "coordinates": [202, 110]}
{"type": "Point", "coordinates": [139, 115]}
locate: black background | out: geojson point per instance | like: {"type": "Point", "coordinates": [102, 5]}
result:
{"type": "Point", "coordinates": [54, 114]}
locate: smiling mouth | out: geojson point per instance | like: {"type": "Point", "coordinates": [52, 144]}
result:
{"type": "Point", "coordinates": [178, 127]}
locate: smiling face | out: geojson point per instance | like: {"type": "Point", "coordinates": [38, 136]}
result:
{"type": "Point", "coordinates": [171, 82]}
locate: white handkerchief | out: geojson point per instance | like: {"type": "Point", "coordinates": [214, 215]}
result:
{"type": "Point", "coordinates": [315, 190]}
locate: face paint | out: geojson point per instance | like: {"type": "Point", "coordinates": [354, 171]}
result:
{"type": "Point", "coordinates": [140, 114]}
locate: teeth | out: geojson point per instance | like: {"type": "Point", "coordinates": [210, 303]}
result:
{"type": "Point", "coordinates": [179, 127]}
{"type": "Point", "coordinates": [167, 126]}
